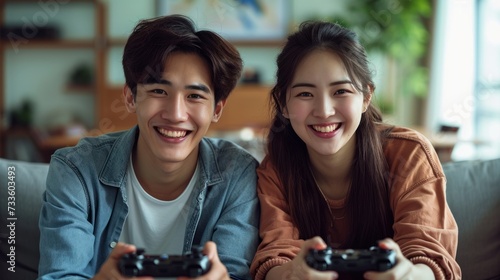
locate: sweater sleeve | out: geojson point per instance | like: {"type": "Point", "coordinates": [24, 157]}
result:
{"type": "Point", "coordinates": [280, 238]}
{"type": "Point", "coordinates": [424, 226]}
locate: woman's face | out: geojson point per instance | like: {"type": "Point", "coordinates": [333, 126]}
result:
{"type": "Point", "coordinates": [323, 106]}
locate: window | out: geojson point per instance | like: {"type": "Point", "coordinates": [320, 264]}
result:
{"type": "Point", "coordinates": [465, 75]}
{"type": "Point", "coordinates": [487, 79]}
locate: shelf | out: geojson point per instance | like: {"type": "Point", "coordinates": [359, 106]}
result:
{"type": "Point", "coordinates": [90, 42]}
{"type": "Point", "coordinates": [51, 44]}
{"type": "Point", "coordinates": [116, 42]}
{"type": "Point", "coordinates": [247, 106]}
{"type": "Point", "coordinates": [80, 88]}
{"type": "Point", "coordinates": [238, 43]}
{"type": "Point", "coordinates": [37, 1]}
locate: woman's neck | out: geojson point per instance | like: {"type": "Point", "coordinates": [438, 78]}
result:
{"type": "Point", "coordinates": [333, 173]}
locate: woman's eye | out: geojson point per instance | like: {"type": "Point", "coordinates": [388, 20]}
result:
{"type": "Point", "coordinates": [341, 91]}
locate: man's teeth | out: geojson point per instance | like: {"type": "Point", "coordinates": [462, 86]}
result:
{"type": "Point", "coordinates": [325, 129]}
{"type": "Point", "coordinates": [172, 133]}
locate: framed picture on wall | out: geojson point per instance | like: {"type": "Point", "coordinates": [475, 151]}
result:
{"type": "Point", "coordinates": [235, 20]}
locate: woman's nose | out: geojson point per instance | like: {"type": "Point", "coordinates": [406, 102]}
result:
{"type": "Point", "coordinates": [324, 107]}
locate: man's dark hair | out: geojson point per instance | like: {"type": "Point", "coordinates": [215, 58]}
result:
{"type": "Point", "coordinates": [154, 39]}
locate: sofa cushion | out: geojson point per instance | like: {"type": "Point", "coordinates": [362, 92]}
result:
{"type": "Point", "coordinates": [29, 179]}
{"type": "Point", "coordinates": [473, 195]}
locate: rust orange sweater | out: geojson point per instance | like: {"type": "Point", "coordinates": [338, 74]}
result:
{"type": "Point", "coordinates": [424, 226]}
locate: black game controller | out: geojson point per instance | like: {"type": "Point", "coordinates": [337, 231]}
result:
{"type": "Point", "coordinates": [373, 259]}
{"type": "Point", "coordinates": [192, 264]}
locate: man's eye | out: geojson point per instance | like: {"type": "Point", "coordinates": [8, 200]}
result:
{"type": "Point", "coordinates": [304, 94]}
{"type": "Point", "coordinates": [195, 96]}
{"type": "Point", "coordinates": [158, 91]}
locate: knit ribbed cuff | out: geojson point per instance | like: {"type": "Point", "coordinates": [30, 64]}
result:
{"type": "Point", "coordinates": [436, 269]}
{"type": "Point", "coordinates": [267, 265]}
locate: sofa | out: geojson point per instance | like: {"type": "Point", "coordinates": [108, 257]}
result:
{"type": "Point", "coordinates": [473, 194]}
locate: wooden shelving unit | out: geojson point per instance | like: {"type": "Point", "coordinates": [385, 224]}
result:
{"type": "Point", "coordinates": [93, 44]}
{"type": "Point", "coordinates": [247, 105]}
{"type": "Point", "coordinates": [54, 44]}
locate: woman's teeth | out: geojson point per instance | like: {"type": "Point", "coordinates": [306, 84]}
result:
{"type": "Point", "coordinates": [325, 129]}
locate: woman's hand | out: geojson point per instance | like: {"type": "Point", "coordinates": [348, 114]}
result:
{"type": "Point", "coordinates": [109, 269]}
{"type": "Point", "coordinates": [404, 268]}
{"type": "Point", "coordinates": [218, 270]}
{"type": "Point", "coordinates": [298, 268]}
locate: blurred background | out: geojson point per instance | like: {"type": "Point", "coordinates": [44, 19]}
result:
{"type": "Point", "coordinates": [436, 65]}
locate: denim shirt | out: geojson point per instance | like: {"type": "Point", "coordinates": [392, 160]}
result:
{"type": "Point", "coordinates": [85, 205]}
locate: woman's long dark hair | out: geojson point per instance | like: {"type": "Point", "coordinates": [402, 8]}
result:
{"type": "Point", "coordinates": [368, 199]}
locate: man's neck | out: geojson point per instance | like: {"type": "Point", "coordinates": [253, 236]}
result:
{"type": "Point", "coordinates": [163, 180]}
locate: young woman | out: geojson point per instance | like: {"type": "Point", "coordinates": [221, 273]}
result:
{"type": "Point", "coordinates": [336, 175]}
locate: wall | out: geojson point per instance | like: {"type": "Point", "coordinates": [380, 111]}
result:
{"type": "Point", "coordinates": [261, 58]}
{"type": "Point", "coordinates": [40, 75]}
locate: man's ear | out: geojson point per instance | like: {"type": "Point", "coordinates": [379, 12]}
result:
{"type": "Point", "coordinates": [128, 98]}
{"type": "Point", "coordinates": [218, 110]}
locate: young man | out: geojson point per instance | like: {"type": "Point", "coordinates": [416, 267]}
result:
{"type": "Point", "coordinates": [161, 185]}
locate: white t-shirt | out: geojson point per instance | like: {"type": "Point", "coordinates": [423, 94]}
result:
{"type": "Point", "coordinates": [157, 226]}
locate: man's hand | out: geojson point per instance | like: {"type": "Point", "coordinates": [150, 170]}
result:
{"type": "Point", "coordinates": [109, 270]}
{"type": "Point", "coordinates": [218, 270]}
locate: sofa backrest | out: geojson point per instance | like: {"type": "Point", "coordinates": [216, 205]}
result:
{"type": "Point", "coordinates": [473, 195]}
{"type": "Point", "coordinates": [24, 187]}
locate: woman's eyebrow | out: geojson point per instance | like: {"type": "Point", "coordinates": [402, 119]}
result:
{"type": "Point", "coordinates": [312, 85]}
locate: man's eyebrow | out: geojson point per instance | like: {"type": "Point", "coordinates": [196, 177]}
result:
{"type": "Point", "coordinates": [199, 87]}
{"type": "Point", "coordinates": [312, 85]}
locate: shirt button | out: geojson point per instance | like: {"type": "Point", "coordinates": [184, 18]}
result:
{"type": "Point", "coordinates": [112, 244]}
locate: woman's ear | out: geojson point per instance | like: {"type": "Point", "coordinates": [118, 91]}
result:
{"type": "Point", "coordinates": [284, 112]}
{"type": "Point", "coordinates": [218, 110]}
{"type": "Point", "coordinates": [367, 99]}
{"type": "Point", "coordinates": [129, 99]}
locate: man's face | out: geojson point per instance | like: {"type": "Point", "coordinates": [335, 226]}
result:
{"type": "Point", "coordinates": [175, 112]}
